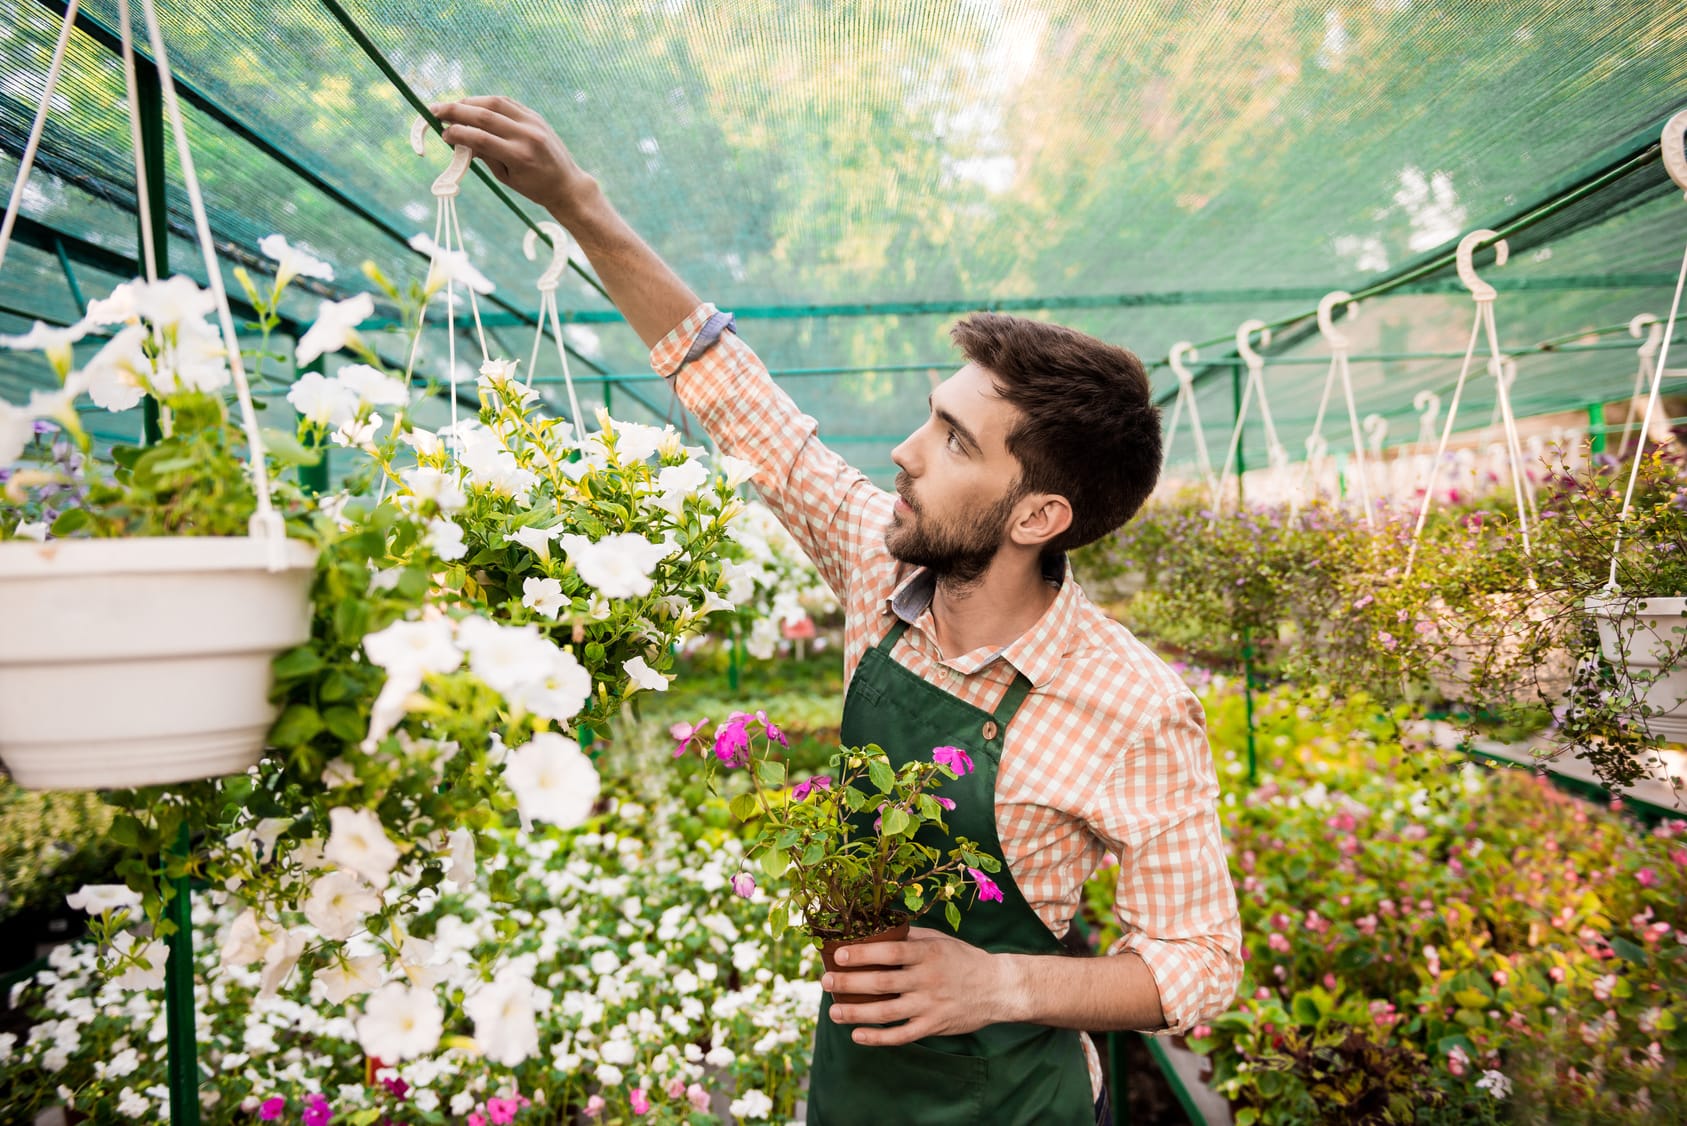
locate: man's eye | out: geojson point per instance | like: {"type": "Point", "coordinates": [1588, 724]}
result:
{"type": "Point", "coordinates": [954, 442]}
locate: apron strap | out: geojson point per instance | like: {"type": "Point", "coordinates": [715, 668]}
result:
{"type": "Point", "coordinates": [1011, 699]}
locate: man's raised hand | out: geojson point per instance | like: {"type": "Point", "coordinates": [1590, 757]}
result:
{"type": "Point", "coordinates": [521, 150]}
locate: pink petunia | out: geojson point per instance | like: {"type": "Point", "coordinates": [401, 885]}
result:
{"type": "Point", "coordinates": [270, 1109]}
{"type": "Point", "coordinates": [317, 1111]}
{"type": "Point", "coordinates": [641, 1103]}
{"type": "Point", "coordinates": [502, 1111]}
{"type": "Point", "coordinates": [808, 785]}
{"type": "Point", "coordinates": [698, 1097]}
{"type": "Point", "coordinates": [987, 888]}
{"type": "Point", "coordinates": [476, 1118]}
{"type": "Point", "coordinates": [675, 1088]}
{"type": "Point", "coordinates": [594, 1106]}
{"type": "Point", "coordinates": [954, 758]}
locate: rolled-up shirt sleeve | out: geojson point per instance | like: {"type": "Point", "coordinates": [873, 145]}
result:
{"type": "Point", "coordinates": [831, 508]}
{"type": "Point", "coordinates": [1174, 899]}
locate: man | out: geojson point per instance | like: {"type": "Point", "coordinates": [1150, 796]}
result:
{"type": "Point", "coordinates": [964, 629]}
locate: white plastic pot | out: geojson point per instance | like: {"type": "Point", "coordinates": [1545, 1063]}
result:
{"type": "Point", "coordinates": [1645, 639]}
{"type": "Point", "coordinates": [1490, 646]}
{"type": "Point", "coordinates": [140, 662]}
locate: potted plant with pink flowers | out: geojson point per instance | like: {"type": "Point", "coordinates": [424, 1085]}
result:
{"type": "Point", "coordinates": [859, 854]}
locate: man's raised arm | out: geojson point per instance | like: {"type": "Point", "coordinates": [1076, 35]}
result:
{"type": "Point", "coordinates": [523, 152]}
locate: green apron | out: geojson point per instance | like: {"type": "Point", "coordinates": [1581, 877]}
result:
{"type": "Point", "coordinates": [1002, 1074]}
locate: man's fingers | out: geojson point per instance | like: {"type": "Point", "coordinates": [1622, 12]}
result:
{"type": "Point", "coordinates": [481, 117]}
{"type": "Point", "coordinates": [485, 145]}
{"type": "Point", "coordinates": [509, 107]}
{"type": "Point", "coordinates": [888, 1011]}
{"type": "Point", "coordinates": [864, 981]}
{"type": "Point", "coordinates": [888, 1037]}
{"type": "Point", "coordinates": [876, 954]}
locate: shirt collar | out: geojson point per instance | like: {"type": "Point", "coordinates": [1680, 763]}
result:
{"type": "Point", "coordinates": [1037, 651]}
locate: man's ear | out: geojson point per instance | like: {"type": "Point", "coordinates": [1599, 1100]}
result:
{"type": "Point", "coordinates": [1039, 518]}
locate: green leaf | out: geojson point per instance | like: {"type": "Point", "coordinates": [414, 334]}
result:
{"type": "Point", "coordinates": [778, 919]}
{"type": "Point", "coordinates": [296, 663]}
{"type": "Point", "coordinates": [775, 862]}
{"type": "Point", "coordinates": [953, 914]}
{"type": "Point", "coordinates": [71, 520]}
{"type": "Point", "coordinates": [743, 806]}
{"type": "Point", "coordinates": [299, 724]}
{"type": "Point", "coordinates": [287, 450]}
{"type": "Point", "coordinates": [1304, 1009]}
{"type": "Point", "coordinates": [345, 723]}
{"type": "Point", "coordinates": [914, 896]}
{"type": "Point", "coordinates": [771, 773]}
{"type": "Point", "coordinates": [895, 821]}
{"type": "Point", "coordinates": [1628, 951]}
{"type": "Point", "coordinates": [126, 831]}
{"type": "Point", "coordinates": [882, 775]}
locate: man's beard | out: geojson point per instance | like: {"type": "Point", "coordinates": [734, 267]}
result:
{"type": "Point", "coordinates": [957, 552]}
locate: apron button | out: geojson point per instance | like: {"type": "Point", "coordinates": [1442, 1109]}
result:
{"type": "Point", "coordinates": [990, 729]}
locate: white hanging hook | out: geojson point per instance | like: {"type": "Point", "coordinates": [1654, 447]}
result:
{"type": "Point", "coordinates": [1505, 371]}
{"type": "Point", "coordinates": [560, 243]}
{"type": "Point", "coordinates": [1653, 330]}
{"type": "Point", "coordinates": [1245, 330]}
{"type": "Point", "coordinates": [1428, 405]}
{"type": "Point", "coordinates": [1326, 317]}
{"type": "Point", "coordinates": [1479, 289]}
{"type": "Point", "coordinates": [450, 181]}
{"type": "Point", "coordinates": [1316, 448]}
{"type": "Point", "coordinates": [1675, 149]}
{"type": "Point", "coordinates": [1181, 349]}
{"type": "Point", "coordinates": [1376, 429]}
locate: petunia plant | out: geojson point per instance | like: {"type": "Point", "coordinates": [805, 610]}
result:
{"type": "Point", "coordinates": [858, 851]}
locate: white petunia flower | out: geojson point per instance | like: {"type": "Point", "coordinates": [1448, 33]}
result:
{"type": "Point", "coordinates": [504, 1025]}
{"type": "Point", "coordinates": [373, 387]}
{"type": "Point", "coordinates": [391, 705]}
{"type": "Point", "coordinates": [132, 1104]}
{"type": "Point", "coordinates": [445, 539]}
{"type": "Point", "coordinates": [424, 646]}
{"type": "Point", "coordinates": [751, 1106]}
{"type": "Point", "coordinates": [292, 261]}
{"type": "Point", "coordinates": [737, 469]}
{"type": "Point", "coordinates": [505, 657]}
{"type": "Point", "coordinates": [338, 903]}
{"type": "Point", "coordinates": [341, 981]}
{"type": "Point", "coordinates": [559, 692]}
{"type": "Point", "coordinates": [460, 849]}
{"type": "Point", "coordinates": [400, 1022]}
{"type": "Point", "coordinates": [148, 973]}
{"type": "Point", "coordinates": [335, 327]}
{"type": "Point", "coordinates": [169, 303]}
{"type": "Point", "coordinates": [449, 265]}
{"type": "Point", "coordinates": [419, 962]}
{"type": "Point", "coordinates": [196, 360]}
{"type": "Point", "coordinates": [536, 540]}
{"type": "Point", "coordinates": [543, 595]}
{"type": "Point", "coordinates": [358, 843]}
{"type": "Point", "coordinates": [683, 479]}
{"type": "Point", "coordinates": [618, 565]}
{"type": "Point", "coordinates": [357, 435]}
{"type": "Point", "coordinates": [57, 343]}
{"type": "Point", "coordinates": [97, 899]}
{"type": "Point", "coordinates": [644, 676]}
{"type": "Point", "coordinates": [436, 485]}
{"type": "Point", "coordinates": [280, 958]}
{"type": "Point", "coordinates": [552, 781]}
{"type": "Point", "coordinates": [424, 442]}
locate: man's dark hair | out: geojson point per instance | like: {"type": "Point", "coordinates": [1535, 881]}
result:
{"type": "Point", "coordinates": [1088, 427]}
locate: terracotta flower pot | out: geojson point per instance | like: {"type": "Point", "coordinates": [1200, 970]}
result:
{"type": "Point", "coordinates": [828, 952]}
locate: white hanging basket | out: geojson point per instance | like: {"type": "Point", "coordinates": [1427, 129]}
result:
{"type": "Point", "coordinates": [1645, 640]}
{"type": "Point", "coordinates": [1489, 646]}
{"type": "Point", "coordinates": [138, 662]}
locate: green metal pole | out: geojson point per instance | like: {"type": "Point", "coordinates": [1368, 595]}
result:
{"type": "Point", "coordinates": [183, 1064]}
{"type": "Point", "coordinates": [732, 657]}
{"type": "Point", "coordinates": [1247, 631]}
{"type": "Point", "coordinates": [150, 109]}
{"type": "Point", "coordinates": [178, 996]}
{"type": "Point", "coordinates": [1596, 426]}
{"type": "Point", "coordinates": [70, 278]}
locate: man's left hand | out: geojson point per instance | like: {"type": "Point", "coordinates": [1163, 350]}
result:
{"type": "Point", "coordinates": [947, 987]}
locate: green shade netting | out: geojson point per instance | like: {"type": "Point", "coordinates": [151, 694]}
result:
{"type": "Point", "coordinates": [1148, 173]}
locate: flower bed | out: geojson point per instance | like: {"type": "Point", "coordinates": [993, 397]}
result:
{"type": "Point", "coordinates": [1426, 945]}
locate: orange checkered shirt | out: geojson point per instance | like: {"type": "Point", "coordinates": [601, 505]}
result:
{"type": "Point", "coordinates": [1107, 755]}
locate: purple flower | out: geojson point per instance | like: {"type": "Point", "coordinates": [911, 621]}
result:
{"type": "Point", "coordinates": [802, 789]}
{"type": "Point", "coordinates": [318, 1112]}
{"type": "Point", "coordinates": [987, 888]}
{"type": "Point", "coordinates": [683, 733]}
{"type": "Point", "coordinates": [744, 885]}
{"type": "Point", "coordinates": [946, 803]}
{"type": "Point", "coordinates": [732, 742]}
{"type": "Point", "coordinates": [954, 758]}
{"type": "Point", "coordinates": [270, 1109]}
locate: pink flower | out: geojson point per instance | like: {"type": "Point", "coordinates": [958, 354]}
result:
{"type": "Point", "coordinates": [1646, 878]}
{"type": "Point", "coordinates": [987, 888]}
{"type": "Point", "coordinates": [1201, 1031]}
{"type": "Point", "coordinates": [502, 1111]}
{"type": "Point", "coordinates": [946, 803]}
{"type": "Point", "coordinates": [317, 1111]}
{"type": "Point", "coordinates": [1367, 925]}
{"type": "Point", "coordinates": [683, 733]}
{"type": "Point", "coordinates": [594, 1106]}
{"type": "Point", "coordinates": [732, 742]}
{"type": "Point", "coordinates": [675, 1088]}
{"type": "Point", "coordinates": [476, 1118]}
{"type": "Point", "coordinates": [1278, 943]}
{"type": "Point", "coordinates": [954, 758]}
{"type": "Point", "coordinates": [743, 885]}
{"type": "Point", "coordinates": [641, 1103]}
{"type": "Point", "coordinates": [271, 1108]}
{"type": "Point", "coordinates": [698, 1097]}
{"type": "Point", "coordinates": [808, 785]}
